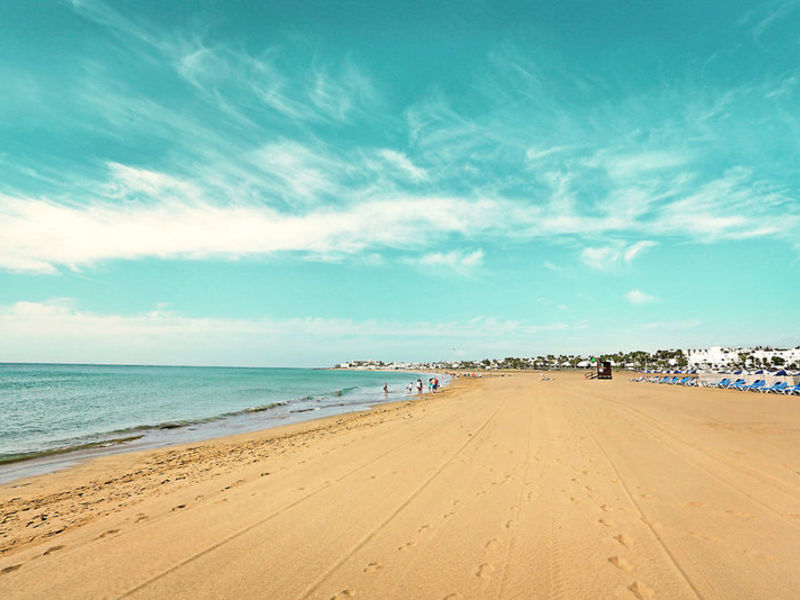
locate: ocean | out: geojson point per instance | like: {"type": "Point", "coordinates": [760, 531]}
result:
{"type": "Point", "coordinates": [52, 415]}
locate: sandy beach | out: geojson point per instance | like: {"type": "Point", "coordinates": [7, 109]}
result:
{"type": "Point", "coordinates": [501, 487]}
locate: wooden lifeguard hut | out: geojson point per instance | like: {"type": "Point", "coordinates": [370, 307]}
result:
{"type": "Point", "coordinates": [604, 370]}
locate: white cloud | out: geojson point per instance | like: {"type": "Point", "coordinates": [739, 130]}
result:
{"type": "Point", "coordinates": [58, 330]}
{"type": "Point", "coordinates": [638, 164]}
{"type": "Point", "coordinates": [534, 155]}
{"type": "Point", "coordinates": [552, 266]}
{"type": "Point", "coordinates": [454, 261]}
{"type": "Point", "coordinates": [639, 297]}
{"type": "Point", "coordinates": [400, 161]}
{"type": "Point", "coordinates": [38, 234]}
{"type": "Point", "coordinates": [634, 250]}
{"type": "Point", "coordinates": [608, 258]}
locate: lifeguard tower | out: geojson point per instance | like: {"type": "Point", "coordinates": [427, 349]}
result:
{"type": "Point", "coordinates": [604, 370]}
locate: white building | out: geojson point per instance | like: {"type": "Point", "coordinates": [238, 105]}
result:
{"type": "Point", "coordinates": [713, 357]}
{"type": "Point", "coordinates": [721, 358]}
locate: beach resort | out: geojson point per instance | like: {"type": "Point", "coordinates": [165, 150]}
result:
{"type": "Point", "coordinates": [372, 300]}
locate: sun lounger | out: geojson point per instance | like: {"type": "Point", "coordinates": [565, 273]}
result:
{"type": "Point", "coordinates": [795, 390]}
{"type": "Point", "coordinates": [723, 383]}
{"type": "Point", "coordinates": [755, 386]}
{"type": "Point", "coordinates": [776, 388]}
{"type": "Point", "coordinates": [739, 384]}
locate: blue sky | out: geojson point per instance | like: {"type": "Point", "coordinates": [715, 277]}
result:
{"type": "Point", "coordinates": [303, 183]}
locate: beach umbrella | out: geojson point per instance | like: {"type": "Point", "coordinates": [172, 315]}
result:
{"type": "Point", "coordinates": [737, 372]}
{"type": "Point", "coordinates": [784, 374]}
{"type": "Point", "coordinates": [759, 372]}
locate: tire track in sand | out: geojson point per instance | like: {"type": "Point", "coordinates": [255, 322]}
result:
{"type": "Point", "coordinates": [272, 515]}
{"type": "Point", "coordinates": [313, 588]}
{"type": "Point", "coordinates": [643, 517]}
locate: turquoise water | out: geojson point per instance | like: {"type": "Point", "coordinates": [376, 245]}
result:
{"type": "Point", "coordinates": [52, 409]}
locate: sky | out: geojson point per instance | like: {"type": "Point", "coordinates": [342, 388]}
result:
{"type": "Point", "coordinates": [304, 183]}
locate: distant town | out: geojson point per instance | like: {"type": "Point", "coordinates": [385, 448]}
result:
{"type": "Point", "coordinates": [712, 358]}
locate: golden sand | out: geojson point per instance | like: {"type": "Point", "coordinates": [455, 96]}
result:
{"type": "Point", "coordinates": [506, 487]}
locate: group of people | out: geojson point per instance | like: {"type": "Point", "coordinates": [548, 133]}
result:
{"type": "Point", "coordinates": [433, 386]}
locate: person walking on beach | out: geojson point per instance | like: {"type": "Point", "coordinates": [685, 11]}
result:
{"type": "Point", "coordinates": [419, 386]}
{"type": "Point", "coordinates": [410, 388]}
{"type": "Point", "coordinates": [385, 388]}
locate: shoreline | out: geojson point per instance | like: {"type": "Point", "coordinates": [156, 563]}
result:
{"type": "Point", "coordinates": [77, 473]}
{"type": "Point", "coordinates": [169, 433]}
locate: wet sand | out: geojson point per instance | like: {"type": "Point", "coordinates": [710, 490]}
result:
{"type": "Point", "coordinates": [506, 487]}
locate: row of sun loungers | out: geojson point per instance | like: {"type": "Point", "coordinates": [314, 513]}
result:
{"type": "Point", "coordinates": [759, 385]}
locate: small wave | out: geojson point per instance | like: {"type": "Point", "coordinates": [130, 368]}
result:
{"type": "Point", "coordinates": [12, 458]}
{"type": "Point", "coordinates": [343, 391]}
{"type": "Point", "coordinates": [257, 409]}
{"type": "Point", "coordinates": [302, 410]}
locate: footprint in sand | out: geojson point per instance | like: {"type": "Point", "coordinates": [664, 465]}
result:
{"type": "Point", "coordinates": [605, 522]}
{"type": "Point", "coordinates": [491, 544]}
{"type": "Point", "coordinates": [452, 596]}
{"type": "Point", "coordinates": [109, 532]}
{"type": "Point", "coordinates": [51, 550]}
{"type": "Point", "coordinates": [640, 590]}
{"type": "Point", "coordinates": [484, 571]}
{"type": "Point", "coordinates": [343, 594]}
{"type": "Point", "coordinates": [619, 562]}
{"type": "Point", "coordinates": [407, 545]}
{"type": "Point", "coordinates": [373, 566]}
{"type": "Point", "coordinates": [422, 528]}
{"type": "Point", "coordinates": [623, 540]}
{"type": "Point", "coordinates": [10, 569]}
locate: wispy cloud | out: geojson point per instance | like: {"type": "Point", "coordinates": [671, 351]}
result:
{"type": "Point", "coordinates": [639, 297]}
{"type": "Point", "coordinates": [608, 258]}
{"type": "Point", "coordinates": [455, 261]}
{"type": "Point", "coordinates": [768, 14]}
{"type": "Point", "coordinates": [273, 149]}
{"type": "Point", "coordinates": [401, 162]}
